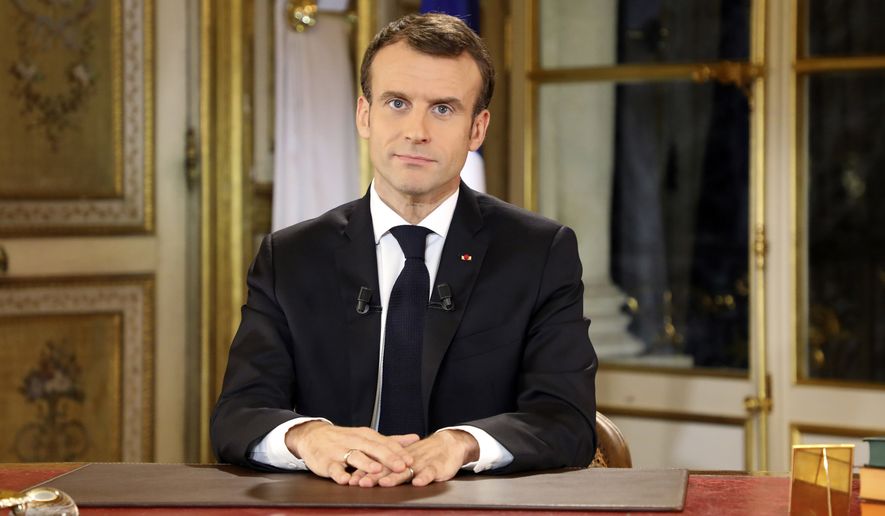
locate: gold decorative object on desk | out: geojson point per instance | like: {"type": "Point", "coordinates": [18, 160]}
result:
{"type": "Point", "coordinates": [39, 501]}
{"type": "Point", "coordinates": [820, 479]}
{"type": "Point", "coordinates": [301, 15]}
{"type": "Point", "coordinates": [12, 499]}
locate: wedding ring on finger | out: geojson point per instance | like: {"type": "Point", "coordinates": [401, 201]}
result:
{"type": "Point", "coordinates": [347, 455]}
{"type": "Point", "coordinates": [411, 473]}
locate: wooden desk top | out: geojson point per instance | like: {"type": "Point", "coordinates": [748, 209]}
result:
{"type": "Point", "coordinates": [719, 494]}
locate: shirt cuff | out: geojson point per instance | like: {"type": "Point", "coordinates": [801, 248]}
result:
{"type": "Point", "coordinates": [272, 449]}
{"type": "Point", "coordinates": [492, 454]}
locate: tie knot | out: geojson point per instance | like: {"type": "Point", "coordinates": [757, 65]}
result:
{"type": "Point", "coordinates": [412, 240]}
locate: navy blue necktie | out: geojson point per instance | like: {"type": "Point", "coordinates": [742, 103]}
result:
{"type": "Point", "coordinates": [401, 406]}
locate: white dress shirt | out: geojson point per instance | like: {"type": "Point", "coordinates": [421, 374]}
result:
{"type": "Point", "coordinates": [272, 449]}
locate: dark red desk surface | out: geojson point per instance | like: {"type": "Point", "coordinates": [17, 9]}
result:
{"type": "Point", "coordinates": [723, 494]}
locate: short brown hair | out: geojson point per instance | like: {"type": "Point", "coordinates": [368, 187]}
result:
{"type": "Point", "coordinates": [437, 35]}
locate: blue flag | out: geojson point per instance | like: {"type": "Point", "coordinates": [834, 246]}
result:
{"type": "Point", "coordinates": [467, 10]}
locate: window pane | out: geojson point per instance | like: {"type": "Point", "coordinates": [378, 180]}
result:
{"type": "Point", "coordinates": [845, 27]}
{"type": "Point", "coordinates": [846, 226]}
{"type": "Point", "coordinates": [610, 32]}
{"type": "Point", "coordinates": [654, 179]}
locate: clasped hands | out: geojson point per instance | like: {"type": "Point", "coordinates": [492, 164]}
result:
{"type": "Point", "coordinates": [378, 460]}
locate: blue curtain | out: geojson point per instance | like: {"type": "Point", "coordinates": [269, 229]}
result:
{"type": "Point", "coordinates": [467, 10]}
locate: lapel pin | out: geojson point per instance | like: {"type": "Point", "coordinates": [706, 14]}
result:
{"type": "Point", "coordinates": [466, 258]}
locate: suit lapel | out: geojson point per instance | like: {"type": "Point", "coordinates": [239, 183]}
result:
{"type": "Point", "coordinates": [357, 267]}
{"type": "Point", "coordinates": [459, 272]}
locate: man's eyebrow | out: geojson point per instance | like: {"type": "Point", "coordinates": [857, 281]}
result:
{"type": "Point", "coordinates": [452, 101]}
{"type": "Point", "coordinates": [393, 95]}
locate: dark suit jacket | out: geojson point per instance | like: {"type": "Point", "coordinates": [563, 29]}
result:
{"type": "Point", "coordinates": [513, 358]}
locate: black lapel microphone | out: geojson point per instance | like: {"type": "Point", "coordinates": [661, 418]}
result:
{"type": "Point", "coordinates": [362, 302]}
{"type": "Point", "coordinates": [446, 303]}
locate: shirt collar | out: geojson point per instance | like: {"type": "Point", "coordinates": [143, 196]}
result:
{"type": "Point", "coordinates": [384, 218]}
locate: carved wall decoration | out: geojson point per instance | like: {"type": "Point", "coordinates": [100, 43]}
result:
{"type": "Point", "coordinates": [53, 384]}
{"type": "Point", "coordinates": [45, 33]}
{"type": "Point", "coordinates": [76, 145]}
{"type": "Point", "coordinates": [76, 369]}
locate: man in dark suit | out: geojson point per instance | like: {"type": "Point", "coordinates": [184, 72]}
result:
{"type": "Point", "coordinates": [343, 367]}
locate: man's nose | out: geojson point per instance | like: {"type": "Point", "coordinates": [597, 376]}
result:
{"type": "Point", "coordinates": [416, 128]}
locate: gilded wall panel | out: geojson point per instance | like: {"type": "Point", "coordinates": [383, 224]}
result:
{"type": "Point", "coordinates": [76, 145]}
{"type": "Point", "coordinates": [76, 369]}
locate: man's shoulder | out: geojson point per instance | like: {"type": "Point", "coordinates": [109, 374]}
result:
{"type": "Point", "coordinates": [503, 215]}
{"type": "Point", "coordinates": [326, 229]}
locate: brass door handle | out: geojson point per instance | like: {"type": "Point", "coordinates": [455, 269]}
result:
{"type": "Point", "coordinates": [4, 261]}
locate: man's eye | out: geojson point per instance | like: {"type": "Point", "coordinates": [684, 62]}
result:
{"type": "Point", "coordinates": [443, 110]}
{"type": "Point", "coordinates": [397, 103]}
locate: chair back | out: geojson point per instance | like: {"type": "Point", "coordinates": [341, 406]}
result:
{"type": "Point", "coordinates": [611, 447]}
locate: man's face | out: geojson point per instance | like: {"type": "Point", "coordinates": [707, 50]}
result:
{"type": "Point", "coordinates": [420, 123]}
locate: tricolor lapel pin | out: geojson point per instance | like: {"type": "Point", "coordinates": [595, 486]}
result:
{"type": "Point", "coordinates": [466, 257]}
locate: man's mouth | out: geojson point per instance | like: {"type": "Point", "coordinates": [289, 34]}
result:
{"type": "Point", "coordinates": [414, 159]}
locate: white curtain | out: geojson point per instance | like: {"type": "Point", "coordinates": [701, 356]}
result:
{"type": "Point", "coordinates": [474, 173]}
{"type": "Point", "coordinates": [315, 160]}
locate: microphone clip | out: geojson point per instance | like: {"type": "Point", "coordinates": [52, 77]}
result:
{"type": "Point", "coordinates": [445, 303]}
{"type": "Point", "coordinates": [362, 302]}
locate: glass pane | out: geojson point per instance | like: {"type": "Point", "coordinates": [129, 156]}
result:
{"type": "Point", "coordinates": [845, 27]}
{"type": "Point", "coordinates": [654, 179]}
{"type": "Point", "coordinates": [580, 33]}
{"type": "Point", "coordinates": [846, 226]}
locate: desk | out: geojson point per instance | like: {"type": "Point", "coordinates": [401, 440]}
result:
{"type": "Point", "coordinates": [718, 494]}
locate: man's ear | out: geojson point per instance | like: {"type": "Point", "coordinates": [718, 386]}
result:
{"type": "Point", "coordinates": [479, 128]}
{"type": "Point", "coordinates": [362, 117]}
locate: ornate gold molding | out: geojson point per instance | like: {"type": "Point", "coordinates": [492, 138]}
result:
{"type": "Point", "coordinates": [803, 68]}
{"type": "Point", "coordinates": [671, 415]}
{"type": "Point", "coordinates": [841, 384]}
{"type": "Point", "coordinates": [690, 417]}
{"type": "Point", "coordinates": [696, 372]}
{"type": "Point", "coordinates": [757, 211]}
{"type": "Point", "coordinates": [797, 429]}
{"type": "Point", "coordinates": [739, 73]}
{"type": "Point", "coordinates": [760, 246]}
{"type": "Point", "coordinates": [798, 200]}
{"type": "Point", "coordinates": [132, 297]}
{"type": "Point", "coordinates": [365, 31]}
{"type": "Point", "coordinates": [226, 246]}
{"type": "Point", "coordinates": [132, 210]}
{"type": "Point", "coordinates": [532, 57]}
{"type": "Point", "coordinates": [838, 64]}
